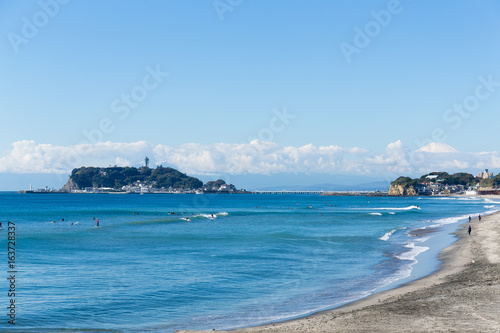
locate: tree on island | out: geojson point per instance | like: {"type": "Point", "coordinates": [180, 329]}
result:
{"type": "Point", "coordinates": [487, 183]}
{"type": "Point", "coordinates": [497, 178]}
{"type": "Point", "coordinates": [214, 185]}
{"type": "Point", "coordinates": [410, 186]}
{"type": "Point", "coordinates": [117, 177]}
{"type": "Point", "coordinates": [405, 181]}
{"type": "Point", "coordinates": [460, 178]}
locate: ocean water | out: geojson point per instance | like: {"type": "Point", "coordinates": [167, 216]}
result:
{"type": "Point", "coordinates": [257, 259]}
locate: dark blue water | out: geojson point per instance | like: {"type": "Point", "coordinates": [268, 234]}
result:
{"type": "Point", "coordinates": [259, 258]}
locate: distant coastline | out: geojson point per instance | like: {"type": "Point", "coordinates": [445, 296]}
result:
{"type": "Point", "coordinates": [166, 180]}
{"type": "Point", "coordinates": [442, 183]}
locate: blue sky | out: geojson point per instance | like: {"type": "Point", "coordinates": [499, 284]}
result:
{"type": "Point", "coordinates": [234, 67]}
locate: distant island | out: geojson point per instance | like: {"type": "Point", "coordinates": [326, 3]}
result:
{"type": "Point", "coordinates": [442, 183]}
{"type": "Point", "coordinates": [169, 180]}
{"type": "Point", "coordinates": [137, 180]}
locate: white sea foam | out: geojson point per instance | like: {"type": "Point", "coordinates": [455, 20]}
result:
{"type": "Point", "coordinates": [387, 235]}
{"type": "Point", "coordinates": [423, 239]}
{"type": "Point", "coordinates": [399, 208]}
{"type": "Point", "coordinates": [489, 206]}
{"type": "Point", "coordinates": [491, 201]}
{"type": "Point", "coordinates": [392, 213]}
{"type": "Point", "coordinates": [413, 252]}
{"type": "Point", "coordinates": [468, 199]}
{"type": "Point", "coordinates": [211, 216]}
{"type": "Point", "coordinates": [403, 273]}
{"type": "Point", "coordinates": [455, 219]}
{"type": "Point", "coordinates": [208, 216]}
{"type": "Point", "coordinates": [450, 220]}
{"type": "Point", "coordinates": [378, 214]}
{"type": "Point", "coordinates": [457, 198]}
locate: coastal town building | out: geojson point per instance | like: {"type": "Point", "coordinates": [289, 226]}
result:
{"type": "Point", "coordinates": [485, 174]}
{"type": "Point", "coordinates": [227, 188]}
{"type": "Point", "coordinates": [423, 189]}
{"type": "Point", "coordinates": [438, 188]}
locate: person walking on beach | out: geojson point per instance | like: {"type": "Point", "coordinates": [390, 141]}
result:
{"type": "Point", "coordinates": [470, 218]}
{"type": "Point", "coordinates": [479, 217]}
{"type": "Point", "coordinates": [470, 229]}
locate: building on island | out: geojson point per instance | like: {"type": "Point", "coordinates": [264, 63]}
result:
{"type": "Point", "coordinates": [485, 174]}
{"type": "Point", "coordinates": [227, 188]}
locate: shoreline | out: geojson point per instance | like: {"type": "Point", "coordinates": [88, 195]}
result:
{"type": "Point", "coordinates": [462, 295]}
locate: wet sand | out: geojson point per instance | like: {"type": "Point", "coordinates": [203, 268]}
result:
{"type": "Point", "coordinates": [463, 296]}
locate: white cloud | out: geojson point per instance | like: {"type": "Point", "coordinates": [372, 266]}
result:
{"type": "Point", "coordinates": [398, 160]}
{"type": "Point", "coordinates": [31, 157]}
{"type": "Point", "coordinates": [255, 157]}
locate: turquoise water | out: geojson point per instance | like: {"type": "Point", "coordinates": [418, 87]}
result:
{"type": "Point", "coordinates": [261, 258]}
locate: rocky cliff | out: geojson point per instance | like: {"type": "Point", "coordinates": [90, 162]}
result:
{"type": "Point", "coordinates": [402, 190]}
{"type": "Point", "coordinates": [70, 186]}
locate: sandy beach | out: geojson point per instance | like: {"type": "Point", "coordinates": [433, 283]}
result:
{"type": "Point", "coordinates": [463, 296]}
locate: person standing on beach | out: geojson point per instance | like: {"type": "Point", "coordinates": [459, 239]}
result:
{"type": "Point", "coordinates": [479, 217]}
{"type": "Point", "coordinates": [470, 229]}
{"type": "Point", "coordinates": [470, 218]}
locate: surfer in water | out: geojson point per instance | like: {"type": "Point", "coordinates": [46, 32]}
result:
{"type": "Point", "coordinates": [97, 223]}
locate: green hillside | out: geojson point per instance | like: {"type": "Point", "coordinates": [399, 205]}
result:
{"type": "Point", "coordinates": [116, 177]}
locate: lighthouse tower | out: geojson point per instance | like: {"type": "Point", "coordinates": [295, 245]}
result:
{"type": "Point", "coordinates": [146, 162]}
